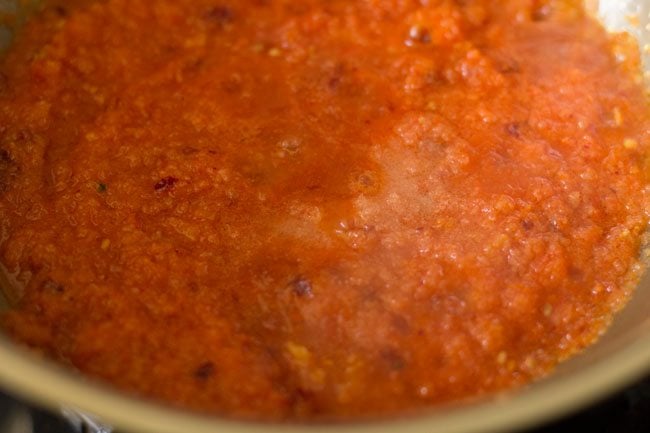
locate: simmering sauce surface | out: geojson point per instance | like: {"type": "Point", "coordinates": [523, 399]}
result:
{"type": "Point", "coordinates": [283, 210]}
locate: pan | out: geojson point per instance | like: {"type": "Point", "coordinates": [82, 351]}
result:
{"type": "Point", "coordinates": [621, 356]}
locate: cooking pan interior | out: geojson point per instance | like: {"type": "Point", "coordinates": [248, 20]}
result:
{"type": "Point", "coordinates": [4, 284]}
{"type": "Point", "coordinates": [4, 304]}
{"type": "Point", "coordinates": [13, 14]}
{"type": "Point", "coordinates": [621, 355]}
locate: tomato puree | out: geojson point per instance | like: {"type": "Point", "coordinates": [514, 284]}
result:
{"type": "Point", "coordinates": [324, 209]}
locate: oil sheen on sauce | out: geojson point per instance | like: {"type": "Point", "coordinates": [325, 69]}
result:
{"type": "Point", "coordinates": [280, 210]}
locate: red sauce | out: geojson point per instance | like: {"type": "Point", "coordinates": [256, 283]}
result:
{"type": "Point", "coordinates": [319, 209]}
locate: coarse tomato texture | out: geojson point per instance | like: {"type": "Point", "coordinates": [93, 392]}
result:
{"type": "Point", "coordinates": [316, 210]}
